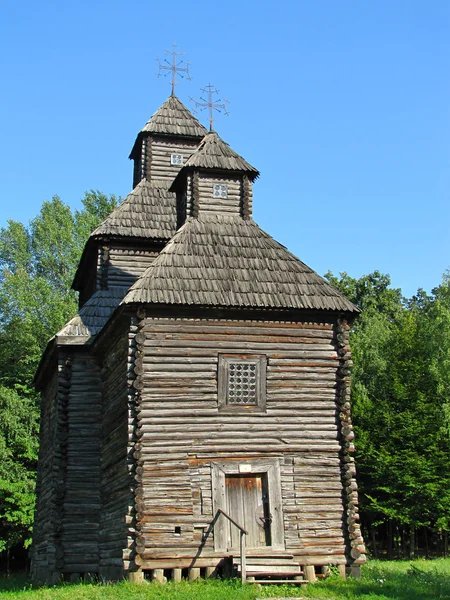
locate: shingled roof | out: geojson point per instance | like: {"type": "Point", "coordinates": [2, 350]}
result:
{"type": "Point", "coordinates": [173, 118]}
{"type": "Point", "coordinates": [227, 261]}
{"type": "Point", "coordinates": [149, 211]}
{"type": "Point", "coordinates": [214, 153]}
{"type": "Point", "coordinates": [93, 316]}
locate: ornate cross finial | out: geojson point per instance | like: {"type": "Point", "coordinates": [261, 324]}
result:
{"type": "Point", "coordinates": [174, 67]}
{"type": "Point", "coordinates": [210, 104]}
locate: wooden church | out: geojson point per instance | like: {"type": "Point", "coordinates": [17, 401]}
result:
{"type": "Point", "coordinates": [195, 413]}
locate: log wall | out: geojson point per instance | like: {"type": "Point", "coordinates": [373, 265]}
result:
{"type": "Point", "coordinates": [181, 432]}
{"type": "Point", "coordinates": [116, 458]}
{"type": "Point", "coordinates": [44, 549]}
{"type": "Point", "coordinates": [158, 156]}
{"type": "Point", "coordinates": [125, 264]}
{"type": "Point", "coordinates": [232, 205]}
{"type": "Point", "coordinates": [65, 538]}
{"type": "Point", "coordinates": [81, 502]}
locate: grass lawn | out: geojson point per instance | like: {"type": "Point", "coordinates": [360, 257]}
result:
{"type": "Point", "coordinates": [402, 580]}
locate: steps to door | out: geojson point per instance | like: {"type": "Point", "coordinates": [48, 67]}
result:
{"type": "Point", "coordinates": [271, 569]}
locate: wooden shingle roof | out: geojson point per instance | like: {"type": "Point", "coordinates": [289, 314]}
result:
{"type": "Point", "coordinates": [173, 118]}
{"type": "Point", "coordinates": [214, 153]}
{"type": "Point", "coordinates": [218, 260]}
{"type": "Point", "coordinates": [149, 211]}
{"type": "Point", "coordinates": [93, 316]}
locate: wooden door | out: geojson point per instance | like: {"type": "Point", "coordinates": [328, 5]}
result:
{"type": "Point", "coordinates": [248, 504]}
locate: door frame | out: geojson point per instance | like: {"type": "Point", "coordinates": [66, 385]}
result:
{"type": "Point", "coordinates": [248, 467]}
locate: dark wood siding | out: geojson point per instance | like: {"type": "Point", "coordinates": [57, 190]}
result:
{"type": "Point", "coordinates": [43, 548]}
{"type": "Point", "coordinates": [126, 264]}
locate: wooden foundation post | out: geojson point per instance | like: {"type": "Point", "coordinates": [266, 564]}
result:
{"type": "Point", "coordinates": [176, 575]}
{"type": "Point", "coordinates": [355, 571]}
{"type": "Point", "coordinates": [310, 573]}
{"type": "Point", "coordinates": [136, 576]}
{"type": "Point", "coordinates": [211, 572]}
{"type": "Point", "coordinates": [325, 570]}
{"type": "Point", "coordinates": [194, 573]}
{"type": "Point", "coordinates": [158, 575]}
{"type": "Point", "coordinates": [342, 571]}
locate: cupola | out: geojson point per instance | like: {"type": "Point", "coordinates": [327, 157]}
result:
{"type": "Point", "coordinates": [215, 179]}
{"type": "Point", "coordinates": [165, 143]}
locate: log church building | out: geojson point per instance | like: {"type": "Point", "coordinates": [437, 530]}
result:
{"type": "Point", "coordinates": [196, 409]}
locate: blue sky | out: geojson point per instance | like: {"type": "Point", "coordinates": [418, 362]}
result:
{"type": "Point", "coordinates": [344, 107]}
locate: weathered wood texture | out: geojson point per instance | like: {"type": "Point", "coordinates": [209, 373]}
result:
{"type": "Point", "coordinates": [159, 151]}
{"type": "Point", "coordinates": [225, 260]}
{"type": "Point", "coordinates": [44, 543]}
{"type": "Point", "coordinates": [230, 205]}
{"type": "Point", "coordinates": [215, 154]}
{"type": "Point", "coordinates": [125, 264]}
{"type": "Point", "coordinates": [81, 500]}
{"type": "Point", "coordinates": [68, 507]}
{"type": "Point", "coordinates": [181, 432]}
{"type": "Point", "coordinates": [116, 458]}
{"type": "Point", "coordinates": [356, 552]}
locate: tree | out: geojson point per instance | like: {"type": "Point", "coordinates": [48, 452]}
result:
{"type": "Point", "coordinates": [400, 392]}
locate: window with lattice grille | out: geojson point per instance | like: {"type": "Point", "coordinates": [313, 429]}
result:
{"type": "Point", "coordinates": [242, 382]}
{"type": "Point", "coordinates": [220, 190]}
{"type": "Point", "coordinates": [176, 159]}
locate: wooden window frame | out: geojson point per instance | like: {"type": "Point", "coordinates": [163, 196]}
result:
{"type": "Point", "coordinates": [260, 360]}
{"type": "Point", "coordinates": [269, 466]}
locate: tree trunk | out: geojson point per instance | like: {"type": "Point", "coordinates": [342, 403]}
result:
{"type": "Point", "coordinates": [412, 544]}
{"type": "Point", "coordinates": [389, 548]}
{"type": "Point", "coordinates": [374, 541]}
{"type": "Point", "coordinates": [425, 530]}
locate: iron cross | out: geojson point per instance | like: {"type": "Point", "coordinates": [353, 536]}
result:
{"type": "Point", "coordinates": [174, 67]}
{"type": "Point", "coordinates": [210, 104]}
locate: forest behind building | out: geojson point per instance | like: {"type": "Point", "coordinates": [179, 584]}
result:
{"type": "Point", "coordinates": [400, 384]}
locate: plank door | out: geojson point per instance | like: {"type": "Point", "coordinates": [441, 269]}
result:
{"type": "Point", "coordinates": [248, 504]}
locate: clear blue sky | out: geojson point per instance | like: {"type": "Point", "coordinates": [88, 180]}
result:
{"type": "Point", "coordinates": [343, 106]}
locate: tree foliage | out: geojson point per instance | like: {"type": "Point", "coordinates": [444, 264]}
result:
{"type": "Point", "coordinates": [400, 394]}
{"type": "Point", "coordinates": [37, 266]}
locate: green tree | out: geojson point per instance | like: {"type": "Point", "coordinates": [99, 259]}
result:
{"type": "Point", "coordinates": [400, 392]}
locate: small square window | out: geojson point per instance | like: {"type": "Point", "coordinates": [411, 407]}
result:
{"type": "Point", "coordinates": [220, 190]}
{"type": "Point", "coordinates": [242, 382]}
{"type": "Point", "coordinates": [176, 159]}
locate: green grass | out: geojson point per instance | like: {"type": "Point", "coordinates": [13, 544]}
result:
{"type": "Point", "coordinates": [402, 580]}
